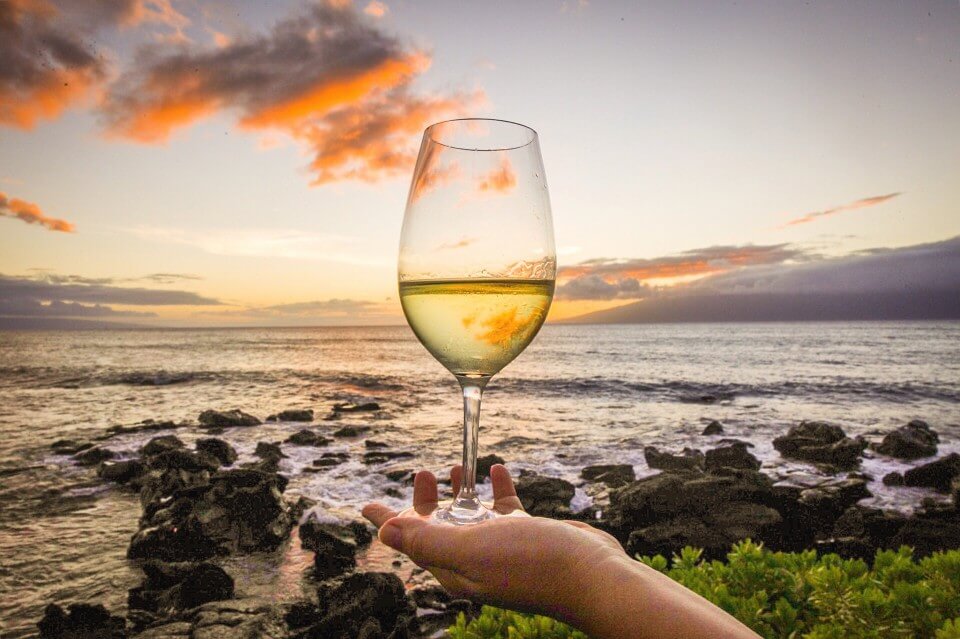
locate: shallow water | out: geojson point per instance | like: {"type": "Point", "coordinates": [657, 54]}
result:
{"type": "Point", "coordinates": [579, 395]}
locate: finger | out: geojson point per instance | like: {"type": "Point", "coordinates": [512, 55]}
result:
{"type": "Point", "coordinates": [424, 488]}
{"type": "Point", "coordinates": [428, 545]}
{"type": "Point", "coordinates": [456, 476]}
{"type": "Point", "coordinates": [505, 498]}
{"type": "Point", "coordinates": [378, 513]}
{"type": "Point", "coordinates": [502, 484]}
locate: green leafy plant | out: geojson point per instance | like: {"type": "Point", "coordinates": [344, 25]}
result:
{"type": "Point", "coordinates": [791, 596]}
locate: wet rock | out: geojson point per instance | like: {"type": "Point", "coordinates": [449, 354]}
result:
{"type": "Point", "coordinates": [349, 407]}
{"type": "Point", "coordinates": [372, 443]}
{"type": "Point", "coordinates": [93, 456]}
{"type": "Point", "coordinates": [144, 426]}
{"type": "Point", "coordinates": [893, 479]}
{"type": "Point", "coordinates": [912, 441]}
{"type": "Point", "coordinates": [160, 444]}
{"type": "Point", "coordinates": [299, 506]}
{"type": "Point", "coordinates": [733, 456]}
{"type": "Point", "coordinates": [818, 508]}
{"type": "Point", "coordinates": [351, 431]}
{"type": "Point", "coordinates": [819, 442]}
{"type": "Point", "coordinates": [937, 474]}
{"type": "Point", "coordinates": [218, 449]}
{"type": "Point", "coordinates": [380, 456]}
{"type": "Point", "coordinates": [69, 446]}
{"type": "Point", "coordinates": [404, 475]}
{"type": "Point", "coordinates": [543, 496]}
{"type": "Point", "coordinates": [485, 462]}
{"type": "Point", "coordinates": [182, 459]}
{"type": "Point", "coordinates": [690, 459]}
{"type": "Point", "coordinates": [179, 586]}
{"type": "Point", "coordinates": [266, 450]}
{"type": "Point", "coordinates": [292, 415]}
{"type": "Point", "coordinates": [80, 621]}
{"type": "Point", "coordinates": [335, 545]}
{"type": "Point", "coordinates": [713, 428]}
{"type": "Point", "coordinates": [613, 475]}
{"type": "Point", "coordinates": [227, 418]}
{"type": "Point", "coordinates": [307, 438]}
{"type": "Point", "coordinates": [239, 510]}
{"type": "Point", "coordinates": [328, 460]}
{"type": "Point", "coordinates": [370, 602]}
{"type": "Point", "coordinates": [122, 472]}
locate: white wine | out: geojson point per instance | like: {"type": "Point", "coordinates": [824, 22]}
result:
{"type": "Point", "coordinates": [475, 327]}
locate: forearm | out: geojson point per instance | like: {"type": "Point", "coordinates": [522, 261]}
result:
{"type": "Point", "coordinates": [623, 599]}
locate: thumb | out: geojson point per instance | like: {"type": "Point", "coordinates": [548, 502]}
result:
{"type": "Point", "coordinates": [429, 545]}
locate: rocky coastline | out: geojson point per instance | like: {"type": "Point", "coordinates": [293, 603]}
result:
{"type": "Point", "coordinates": [199, 506]}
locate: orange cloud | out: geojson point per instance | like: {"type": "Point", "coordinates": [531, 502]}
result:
{"type": "Point", "coordinates": [852, 206]}
{"type": "Point", "coordinates": [31, 214]}
{"type": "Point", "coordinates": [356, 113]}
{"type": "Point", "coordinates": [44, 68]}
{"type": "Point", "coordinates": [499, 180]}
{"type": "Point", "coordinates": [376, 9]}
{"type": "Point", "coordinates": [607, 279]}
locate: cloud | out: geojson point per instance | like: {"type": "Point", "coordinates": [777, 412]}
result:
{"type": "Point", "coordinates": [31, 214]}
{"type": "Point", "coordinates": [268, 242]}
{"type": "Point", "coordinates": [22, 307]}
{"type": "Point", "coordinates": [20, 292]}
{"type": "Point", "coordinates": [167, 278]}
{"type": "Point", "coordinates": [376, 9]}
{"type": "Point", "coordinates": [608, 278]}
{"type": "Point", "coordinates": [327, 78]}
{"type": "Point", "coordinates": [594, 287]}
{"type": "Point", "coordinates": [331, 311]}
{"type": "Point", "coordinates": [912, 282]}
{"type": "Point", "coordinates": [500, 180]}
{"type": "Point", "coordinates": [45, 67]}
{"type": "Point", "coordinates": [852, 206]}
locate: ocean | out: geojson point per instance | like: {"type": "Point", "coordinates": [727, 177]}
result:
{"type": "Point", "coordinates": [579, 395]}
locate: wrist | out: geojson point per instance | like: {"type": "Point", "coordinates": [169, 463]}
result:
{"type": "Point", "coordinates": [594, 591]}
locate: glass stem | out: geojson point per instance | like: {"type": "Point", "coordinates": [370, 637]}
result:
{"type": "Point", "coordinates": [467, 498]}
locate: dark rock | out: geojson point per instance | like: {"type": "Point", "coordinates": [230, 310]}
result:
{"type": "Point", "coordinates": [179, 586]}
{"type": "Point", "coordinates": [380, 456]}
{"type": "Point", "coordinates": [360, 601]}
{"type": "Point", "coordinates": [372, 443]}
{"type": "Point", "coordinates": [301, 505]}
{"type": "Point", "coordinates": [355, 408]}
{"type": "Point", "coordinates": [545, 496]}
{"type": "Point", "coordinates": [218, 449]}
{"type": "Point", "coordinates": [69, 446]}
{"type": "Point", "coordinates": [391, 491]}
{"type": "Point", "coordinates": [713, 531]}
{"type": "Point", "coordinates": [307, 438]}
{"type": "Point", "coordinates": [160, 444]}
{"type": "Point", "coordinates": [731, 441]}
{"type": "Point", "coordinates": [937, 474]}
{"type": "Point", "coordinates": [955, 492]}
{"type": "Point", "coordinates": [266, 450]}
{"type": "Point", "coordinates": [93, 456]}
{"type": "Point", "coordinates": [847, 547]}
{"type": "Point", "coordinates": [351, 431]}
{"type": "Point", "coordinates": [121, 472]}
{"type": "Point", "coordinates": [182, 459]}
{"type": "Point", "coordinates": [893, 479]}
{"type": "Point", "coordinates": [734, 456]}
{"type": "Point", "coordinates": [927, 533]}
{"type": "Point", "coordinates": [329, 460]}
{"type": "Point", "coordinates": [613, 475]}
{"type": "Point", "coordinates": [821, 506]}
{"type": "Point", "coordinates": [713, 428]}
{"type": "Point", "coordinates": [82, 621]}
{"type": "Point", "coordinates": [293, 415]}
{"type": "Point", "coordinates": [227, 418]}
{"type": "Point", "coordinates": [484, 463]}
{"type": "Point", "coordinates": [819, 442]}
{"type": "Point", "coordinates": [690, 459]}
{"type": "Point", "coordinates": [404, 475]}
{"type": "Point", "coordinates": [144, 426]}
{"type": "Point", "coordinates": [912, 441]}
{"type": "Point", "coordinates": [240, 510]}
{"type": "Point", "coordinates": [335, 545]}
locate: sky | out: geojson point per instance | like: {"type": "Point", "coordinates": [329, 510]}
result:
{"type": "Point", "coordinates": [192, 163]}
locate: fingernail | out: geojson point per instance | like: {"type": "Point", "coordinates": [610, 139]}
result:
{"type": "Point", "coordinates": [391, 535]}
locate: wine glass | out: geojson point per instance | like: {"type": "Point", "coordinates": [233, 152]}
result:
{"type": "Point", "coordinates": [477, 266]}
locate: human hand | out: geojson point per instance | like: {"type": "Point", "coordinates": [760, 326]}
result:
{"type": "Point", "coordinates": [524, 563]}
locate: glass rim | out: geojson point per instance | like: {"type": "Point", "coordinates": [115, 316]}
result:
{"type": "Point", "coordinates": [429, 133]}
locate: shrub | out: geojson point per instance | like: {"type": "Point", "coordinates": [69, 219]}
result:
{"type": "Point", "coordinates": [791, 596]}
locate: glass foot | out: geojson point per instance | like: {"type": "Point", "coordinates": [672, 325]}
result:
{"type": "Point", "coordinates": [448, 512]}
